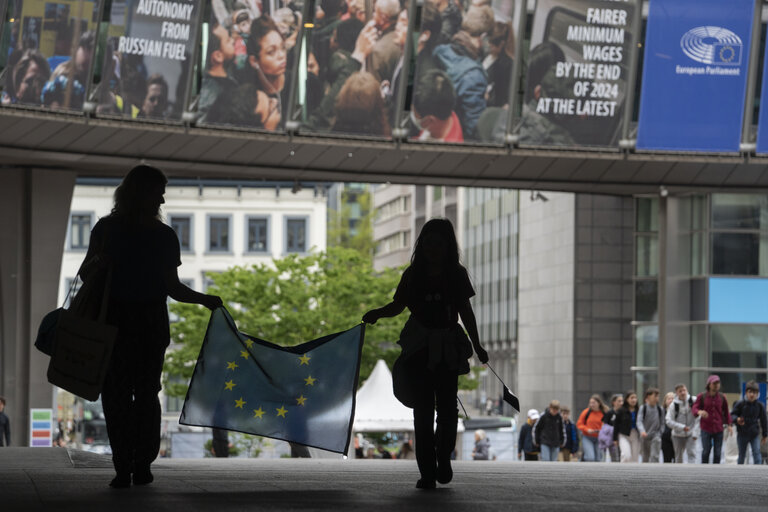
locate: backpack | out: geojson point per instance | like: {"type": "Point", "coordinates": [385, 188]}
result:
{"type": "Point", "coordinates": [677, 406]}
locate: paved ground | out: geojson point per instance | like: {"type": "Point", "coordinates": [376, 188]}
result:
{"type": "Point", "coordinates": [59, 480]}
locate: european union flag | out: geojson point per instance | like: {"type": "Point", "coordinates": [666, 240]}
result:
{"type": "Point", "coordinates": [304, 394]}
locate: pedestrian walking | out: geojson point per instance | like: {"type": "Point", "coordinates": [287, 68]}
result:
{"type": "Point", "coordinates": [650, 425]}
{"type": "Point", "coordinates": [549, 432]}
{"type": "Point", "coordinates": [436, 290]}
{"type": "Point", "coordinates": [590, 422]}
{"type": "Point", "coordinates": [525, 443]}
{"type": "Point", "coordinates": [667, 448]}
{"type": "Point", "coordinates": [684, 424]}
{"type": "Point", "coordinates": [750, 419]}
{"type": "Point", "coordinates": [144, 254]}
{"type": "Point", "coordinates": [5, 425]}
{"type": "Point", "coordinates": [605, 438]}
{"type": "Point", "coordinates": [712, 408]}
{"type": "Point", "coordinates": [571, 435]}
{"type": "Point", "coordinates": [625, 434]}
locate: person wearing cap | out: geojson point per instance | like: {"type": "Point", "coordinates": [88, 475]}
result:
{"type": "Point", "coordinates": [712, 409]}
{"type": "Point", "coordinates": [525, 443]}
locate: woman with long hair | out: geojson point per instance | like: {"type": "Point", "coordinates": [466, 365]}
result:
{"type": "Point", "coordinates": [436, 290]}
{"type": "Point", "coordinates": [625, 434]}
{"type": "Point", "coordinates": [267, 55]}
{"type": "Point", "coordinates": [590, 422]}
{"type": "Point", "coordinates": [610, 419]}
{"type": "Point", "coordinates": [143, 254]}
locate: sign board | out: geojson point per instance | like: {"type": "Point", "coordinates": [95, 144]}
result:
{"type": "Point", "coordinates": [41, 427]}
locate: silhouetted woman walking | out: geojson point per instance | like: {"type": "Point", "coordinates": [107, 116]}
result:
{"type": "Point", "coordinates": [436, 290]}
{"type": "Point", "coordinates": [143, 253]}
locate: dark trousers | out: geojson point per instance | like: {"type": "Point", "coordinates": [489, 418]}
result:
{"type": "Point", "coordinates": [436, 390]}
{"type": "Point", "coordinates": [709, 439]}
{"type": "Point", "coordinates": [667, 448]}
{"type": "Point", "coordinates": [129, 396]}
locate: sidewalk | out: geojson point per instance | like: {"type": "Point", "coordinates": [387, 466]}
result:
{"type": "Point", "coordinates": [55, 479]}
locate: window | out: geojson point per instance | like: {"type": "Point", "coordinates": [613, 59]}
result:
{"type": "Point", "coordinates": [182, 225]}
{"type": "Point", "coordinates": [646, 345]}
{"type": "Point", "coordinates": [646, 301]}
{"type": "Point", "coordinates": [80, 230]}
{"type": "Point", "coordinates": [296, 235]}
{"type": "Point", "coordinates": [218, 234]}
{"type": "Point", "coordinates": [258, 234]}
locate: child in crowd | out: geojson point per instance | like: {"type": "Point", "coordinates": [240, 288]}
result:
{"type": "Point", "coordinates": [590, 422]}
{"type": "Point", "coordinates": [549, 432]}
{"type": "Point", "coordinates": [650, 425]}
{"type": "Point", "coordinates": [625, 434]}
{"type": "Point", "coordinates": [571, 435]}
{"type": "Point", "coordinates": [525, 443]}
{"type": "Point", "coordinates": [749, 416]}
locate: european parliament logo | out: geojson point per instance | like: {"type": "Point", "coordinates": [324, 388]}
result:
{"type": "Point", "coordinates": [712, 45]}
{"type": "Point", "coordinates": [303, 394]}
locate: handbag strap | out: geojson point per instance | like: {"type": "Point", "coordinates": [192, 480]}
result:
{"type": "Point", "coordinates": [105, 296]}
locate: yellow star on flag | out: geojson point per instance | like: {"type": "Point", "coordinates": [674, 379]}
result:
{"type": "Point", "coordinates": [230, 385]}
{"type": "Point", "coordinates": [304, 360]}
{"type": "Point", "coordinates": [281, 411]}
{"type": "Point", "coordinates": [244, 354]}
{"type": "Point", "coordinates": [310, 381]}
{"type": "Point", "coordinates": [240, 403]}
{"type": "Point", "coordinates": [231, 365]}
{"type": "Point", "coordinates": [258, 413]}
{"type": "Point", "coordinates": [301, 400]}
{"type": "Point", "coordinates": [249, 343]}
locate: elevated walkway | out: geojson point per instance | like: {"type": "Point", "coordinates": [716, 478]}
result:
{"type": "Point", "coordinates": [55, 479]}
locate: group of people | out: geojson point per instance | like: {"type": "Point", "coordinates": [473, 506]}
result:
{"type": "Point", "coordinates": [248, 58]}
{"type": "Point", "coordinates": [463, 66]}
{"type": "Point", "coordinates": [654, 430]}
{"type": "Point", "coordinates": [34, 81]}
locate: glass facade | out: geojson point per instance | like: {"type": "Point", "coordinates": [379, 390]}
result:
{"type": "Point", "coordinates": [714, 286]}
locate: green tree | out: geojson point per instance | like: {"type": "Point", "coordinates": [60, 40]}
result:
{"type": "Point", "coordinates": [293, 300]}
{"type": "Point", "coordinates": [340, 232]}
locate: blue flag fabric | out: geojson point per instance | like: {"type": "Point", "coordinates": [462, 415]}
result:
{"type": "Point", "coordinates": [303, 394]}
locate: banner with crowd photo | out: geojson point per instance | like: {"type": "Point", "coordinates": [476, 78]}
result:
{"type": "Point", "coordinates": [50, 53]}
{"type": "Point", "coordinates": [248, 63]}
{"type": "Point", "coordinates": [355, 66]}
{"type": "Point", "coordinates": [465, 58]}
{"type": "Point", "coordinates": [695, 75]}
{"type": "Point", "coordinates": [148, 59]}
{"type": "Point", "coordinates": [576, 78]}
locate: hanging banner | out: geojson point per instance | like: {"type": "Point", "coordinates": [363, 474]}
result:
{"type": "Point", "coordinates": [250, 51]}
{"type": "Point", "coordinates": [695, 75]}
{"type": "Point", "coordinates": [50, 53]}
{"type": "Point", "coordinates": [576, 81]}
{"type": "Point", "coordinates": [355, 66]}
{"type": "Point", "coordinates": [148, 59]}
{"type": "Point", "coordinates": [762, 120]}
{"type": "Point", "coordinates": [464, 65]}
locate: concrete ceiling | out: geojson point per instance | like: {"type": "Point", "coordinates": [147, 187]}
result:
{"type": "Point", "coordinates": [103, 147]}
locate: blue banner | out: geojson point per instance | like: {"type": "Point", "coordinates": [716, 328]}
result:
{"type": "Point", "coordinates": [303, 394]}
{"type": "Point", "coordinates": [695, 75]}
{"type": "Point", "coordinates": [762, 120]}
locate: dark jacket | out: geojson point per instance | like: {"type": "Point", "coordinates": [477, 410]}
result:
{"type": "Point", "coordinates": [5, 430]}
{"type": "Point", "coordinates": [461, 61]}
{"type": "Point", "coordinates": [525, 440]}
{"type": "Point", "coordinates": [610, 417]}
{"type": "Point", "coordinates": [717, 409]}
{"type": "Point", "coordinates": [754, 418]}
{"type": "Point", "coordinates": [622, 424]}
{"type": "Point", "coordinates": [571, 437]}
{"type": "Point", "coordinates": [499, 77]}
{"type": "Point", "coordinates": [549, 430]}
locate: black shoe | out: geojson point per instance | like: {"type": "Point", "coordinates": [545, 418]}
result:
{"type": "Point", "coordinates": [425, 484]}
{"type": "Point", "coordinates": [143, 477]}
{"type": "Point", "coordinates": [121, 481]}
{"type": "Point", "coordinates": [444, 471]}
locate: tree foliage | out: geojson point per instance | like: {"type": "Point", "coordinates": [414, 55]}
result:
{"type": "Point", "coordinates": [340, 232]}
{"type": "Point", "coordinates": [290, 301]}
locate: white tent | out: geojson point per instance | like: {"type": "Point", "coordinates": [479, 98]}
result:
{"type": "Point", "coordinates": [377, 409]}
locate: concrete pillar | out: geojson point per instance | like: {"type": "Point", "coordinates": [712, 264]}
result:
{"type": "Point", "coordinates": [34, 210]}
